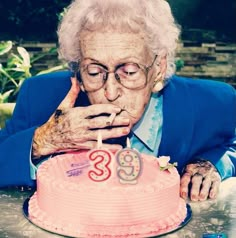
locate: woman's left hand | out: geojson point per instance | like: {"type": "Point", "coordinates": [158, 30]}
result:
{"type": "Point", "coordinates": [200, 181]}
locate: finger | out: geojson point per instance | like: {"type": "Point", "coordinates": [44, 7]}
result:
{"type": "Point", "coordinates": [90, 145]}
{"type": "Point", "coordinates": [184, 184]}
{"type": "Point", "coordinates": [112, 147]}
{"type": "Point", "coordinates": [120, 121]}
{"type": "Point", "coordinates": [73, 146]}
{"type": "Point", "coordinates": [71, 96]}
{"type": "Point", "coordinates": [215, 186]}
{"type": "Point", "coordinates": [195, 189]}
{"type": "Point", "coordinates": [102, 121]}
{"type": "Point", "coordinates": [214, 189]}
{"type": "Point", "coordinates": [98, 109]}
{"type": "Point", "coordinates": [115, 132]}
{"type": "Point", "coordinates": [206, 185]}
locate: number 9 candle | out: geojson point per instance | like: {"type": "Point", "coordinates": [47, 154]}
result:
{"type": "Point", "coordinates": [130, 165]}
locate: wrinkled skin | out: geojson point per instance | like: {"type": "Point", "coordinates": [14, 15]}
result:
{"type": "Point", "coordinates": [200, 181]}
{"type": "Point", "coordinates": [70, 128]}
{"type": "Point", "coordinates": [73, 128]}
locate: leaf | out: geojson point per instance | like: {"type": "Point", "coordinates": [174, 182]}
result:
{"type": "Point", "coordinates": [4, 97]}
{"type": "Point", "coordinates": [17, 69]}
{"type": "Point", "coordinates": [168, 166]}
{"type": "Point", "coordinates": [53, 69]}
{"type": "Point", "coordinates": [25, 55]}
{"type": "Point", "coordinates": [163, 160]}
{"type": "Point", "coordinates": [15, 59]}
{"type": "Point", "coordinates": [5, 46]}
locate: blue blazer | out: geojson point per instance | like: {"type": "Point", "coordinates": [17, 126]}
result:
{"type": "Point", "coordinates": [199, 121]}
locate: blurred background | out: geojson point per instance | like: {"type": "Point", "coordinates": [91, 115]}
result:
{"type": "Point", "coordinates": [28, 41]}
{"type": "Point", "coordinates": [31, 20]}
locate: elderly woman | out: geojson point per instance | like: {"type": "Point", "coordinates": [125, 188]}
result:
{"type": "Point", "coordinates": [121, 55]}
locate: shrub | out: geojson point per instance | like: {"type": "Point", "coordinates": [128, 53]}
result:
{"type": "Point", "coordinates": [17, 68]}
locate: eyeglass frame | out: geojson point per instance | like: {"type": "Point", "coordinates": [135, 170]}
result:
{"type": "Point", "coordinates": [146, 68]}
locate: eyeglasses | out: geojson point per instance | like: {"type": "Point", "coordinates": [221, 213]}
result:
{"type": "Point", "coordinates": [130, 75]}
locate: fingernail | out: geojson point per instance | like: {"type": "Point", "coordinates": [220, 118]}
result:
{"type": "Point", "coordinates": [212, 195]}
{"type": "Point", "coordinates": [125, 131]}
{"type": "Point", "coordinates": [202, 198]}
{"type": "Point", "coordinates": [184, 195]}
{"type": "Point", "coordinates": [194, 198]}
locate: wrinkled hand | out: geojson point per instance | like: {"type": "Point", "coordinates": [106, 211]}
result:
{"type": "Point", "coordinates": [200, 181]}
{"type": "Point", "coordinates": [73, 128]}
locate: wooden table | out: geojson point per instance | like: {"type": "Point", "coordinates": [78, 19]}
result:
{"type": "Point", "coordinates": [212, 216]}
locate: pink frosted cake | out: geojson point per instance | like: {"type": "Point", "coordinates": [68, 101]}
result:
{"type": "Point", "coordinates": [88, 195]}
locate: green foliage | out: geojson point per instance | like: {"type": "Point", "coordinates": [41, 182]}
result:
{"type": "Point", "coordinates": [17, 69]}
{"type": "Point", "coordinates": [6, 110]}
{"type": "Point", "coordinates": [179, 64]}
{"type": "Point", "coordinates": [61, 14]}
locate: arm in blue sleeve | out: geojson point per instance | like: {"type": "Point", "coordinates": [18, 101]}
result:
{"type": "Point", "coordinates": [14, 159]}
{"type": "Point", "coordinates": [31, 111]}
{"type": "Point", "coordinates": [15, 145]}
{"type": "Point", "coordinates": [223, 158]}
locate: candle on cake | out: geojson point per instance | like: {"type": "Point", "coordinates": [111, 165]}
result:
{"type": "Point", "coordinates": [100, 159]}
{"type": "Point", "coordinates": [129, 164]}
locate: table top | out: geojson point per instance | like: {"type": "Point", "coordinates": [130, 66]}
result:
{"type": "Point", "coordinates": [211, 216]}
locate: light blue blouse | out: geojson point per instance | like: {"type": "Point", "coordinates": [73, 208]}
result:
{"type": "Point", "coordinates": [147, 132]}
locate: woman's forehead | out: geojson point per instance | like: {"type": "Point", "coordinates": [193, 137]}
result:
{"type": "Point", "coordinates": [116, 44]}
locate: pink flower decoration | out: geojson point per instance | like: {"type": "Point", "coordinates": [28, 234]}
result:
{"type": "Point", "coordinates": [164, 163]}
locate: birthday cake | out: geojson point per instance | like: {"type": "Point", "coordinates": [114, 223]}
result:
{"type": "Point", "coordinates": [101, 194]}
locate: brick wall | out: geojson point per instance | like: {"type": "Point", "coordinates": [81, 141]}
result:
{"type": "Point", "coordinates": [200, 60]}
{"type": "Point", "coordinates": [208, 60]}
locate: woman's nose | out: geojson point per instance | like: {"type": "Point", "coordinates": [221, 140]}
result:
{"type": "Point", "coordinates": [112, 87]}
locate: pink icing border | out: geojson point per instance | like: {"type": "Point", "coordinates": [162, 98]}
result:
{"type": "Point", "coordinates": [41, 219]}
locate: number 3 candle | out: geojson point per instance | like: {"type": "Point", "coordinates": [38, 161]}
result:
{"type": "Point", "coordinates": [100, 159]}
{"type": "Point", "coordinates": [130, 164]}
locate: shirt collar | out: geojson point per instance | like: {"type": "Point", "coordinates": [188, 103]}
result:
{"type": "Point", "coordinates": [146, 129]}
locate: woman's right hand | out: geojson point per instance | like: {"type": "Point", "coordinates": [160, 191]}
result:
{"type": "Point", "coordinates": [73, 128]}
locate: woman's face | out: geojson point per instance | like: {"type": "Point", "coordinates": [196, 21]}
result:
{"type": "Point", "coordinates": [109, 50]}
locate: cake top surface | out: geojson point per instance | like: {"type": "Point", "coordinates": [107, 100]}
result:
{"type": "Point", "coordinates": [87, 169]}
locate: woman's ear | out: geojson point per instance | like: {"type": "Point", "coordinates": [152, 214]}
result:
{"type": "Point", "coordinates": [158, 82]}
{"type": "Point", "coordinates": [78, 76]}
{"type": "Point", "coordinates": [74, 68]}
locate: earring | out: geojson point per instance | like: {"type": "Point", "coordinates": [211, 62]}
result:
{"type": "Point", "coordinates": [158, 83]}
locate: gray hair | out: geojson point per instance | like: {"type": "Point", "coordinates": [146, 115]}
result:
{"type": "Point", "coordinates": [153, 18]}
